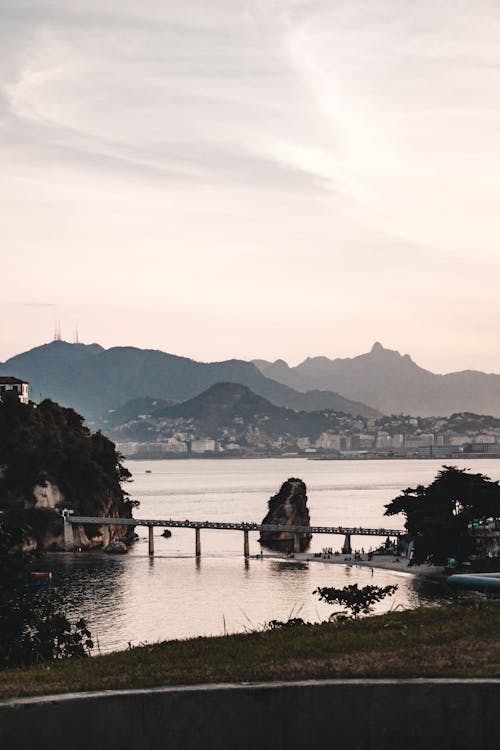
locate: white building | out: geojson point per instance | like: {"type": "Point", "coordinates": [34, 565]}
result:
{"type": "Point", "coordinates": [174, 445]}
{"type": "Point", "coordinates": [329, 441]}
{"type": "Point", "coordinates": [397, 441]}
{"type": "Point", "coordinates": [419, 441]}
{"type": "Point", "coordinates": [303, 443]}
{"type": "Point", "coordinates": [127, 449]}
{"type": "Point", "coordinates": [383, 440]}
{"type": "Point", "coordinates": [21, 387]}
{"type": "Point", "coordinates": [203, 445]}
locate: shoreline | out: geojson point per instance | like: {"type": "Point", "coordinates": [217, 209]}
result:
{"type": "Point", "coordinates": [391, 563]}
{"type": "Point", "coordinates": [252, 457]}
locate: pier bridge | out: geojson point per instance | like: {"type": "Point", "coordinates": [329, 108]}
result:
{"type": "Point", "coordinates": [246, 527]}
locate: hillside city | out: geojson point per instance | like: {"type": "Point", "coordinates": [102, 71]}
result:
{"type": "Point", "coordinates": [350, 437]}
{"type": "Point", "coordinates": [231, 408]}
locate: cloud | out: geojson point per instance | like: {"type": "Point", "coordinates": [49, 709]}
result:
{"type": "Point", "coordinates": [238, 150]}
{"type": "Point", "coordinates": [37, 304]}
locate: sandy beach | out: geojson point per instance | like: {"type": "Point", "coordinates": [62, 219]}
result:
{"type": "Point", "coordinates": [382, 562]}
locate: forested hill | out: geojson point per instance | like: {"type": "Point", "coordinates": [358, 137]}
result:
{"type": "Point", "coordinates": [48, 458]}
{"type": "Point", "coordinates": [226, 405]}
{"type": "Point", "coordinates": [93, 380]}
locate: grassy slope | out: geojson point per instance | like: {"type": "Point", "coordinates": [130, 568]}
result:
{"type": "Point", "coordinates": [454, 640]}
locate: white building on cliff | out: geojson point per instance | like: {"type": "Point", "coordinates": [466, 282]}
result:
{"type": "Point", "coordinates": [21, 387]}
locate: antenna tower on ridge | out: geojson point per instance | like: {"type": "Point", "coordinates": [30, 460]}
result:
{"type": "Point", "coordinates": [75, 337]}
{"type": "Point", "coordinates": [57, 331]}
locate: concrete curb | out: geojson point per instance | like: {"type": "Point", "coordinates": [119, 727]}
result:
{"type": "Point", "coordinates": [449, 714]}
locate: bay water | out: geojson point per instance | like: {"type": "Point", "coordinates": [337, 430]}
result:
{"type": "Point", "coordinates": [136, 598]}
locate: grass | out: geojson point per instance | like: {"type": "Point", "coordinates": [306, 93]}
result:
{"type": "Point", "coordinates": [456, 640]}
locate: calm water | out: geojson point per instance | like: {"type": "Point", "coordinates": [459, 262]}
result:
{"type": "Point", "coordinates": [135, 599]}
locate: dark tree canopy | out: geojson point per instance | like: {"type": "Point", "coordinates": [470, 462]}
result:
{"type": "Point", "coordinates": [438, 517]}
{"type": "Point", "coordinates": [49, 442]}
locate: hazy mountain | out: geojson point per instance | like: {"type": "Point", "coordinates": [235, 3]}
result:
{"type": "Point", "coordinates": [223, 403]}
{"type": "Point", "coordinates": [94, 380]}
{"type": "Point", "coordinates": [221, 409]}
{"type": "Point", "coordinates": [393, 383]}
{"type": "Point", "coordinates": [48, 368]}
{"type": "Point", "coordinates": [134, 409]}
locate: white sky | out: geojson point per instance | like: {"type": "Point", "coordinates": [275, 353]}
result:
{"type": "Point", "coordinates": [252, 178]}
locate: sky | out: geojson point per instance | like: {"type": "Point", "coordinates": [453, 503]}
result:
{"type": "Point", "coordinates": [252, 178]}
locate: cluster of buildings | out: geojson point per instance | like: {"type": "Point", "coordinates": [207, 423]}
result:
{"type": "Point", "coordinates": [173, 446]}
{"type": "Point", "coordinates": [396, 436]}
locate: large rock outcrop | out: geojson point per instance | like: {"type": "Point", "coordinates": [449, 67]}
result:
{"type": "Point", "coordinates": [287, 508]}
{"type": "Point", "coordinates": [48, 496]}
{"type": "Point", "coordinates": [49, 461]}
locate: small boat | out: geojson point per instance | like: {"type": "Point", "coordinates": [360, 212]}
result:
{"type": "Point", "coordinates": [148, 471]}
{"type": "Point", "coordinates": [42, 576]}
{"type": "Point", "coordinates": [39, 579]}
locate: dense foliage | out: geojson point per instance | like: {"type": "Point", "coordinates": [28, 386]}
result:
{"type": "Point", "coordinates": [49, 442]}
{"type": "Point", "coordinates": [33, 624]}
{"type": "Point", "coordinates": [438, 517]}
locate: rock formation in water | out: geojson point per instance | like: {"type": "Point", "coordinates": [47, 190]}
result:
{"type": "Point", "coordinates": [49, 460]}
{"type": "Point", "coordinates": [287, 508]}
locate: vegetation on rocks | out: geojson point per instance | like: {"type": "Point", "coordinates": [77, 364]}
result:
{"type": "Point", "coordinates": [287, 508]}
{"type": "Point", "coordinates": [49, 443]}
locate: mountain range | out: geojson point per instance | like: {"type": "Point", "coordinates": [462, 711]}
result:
{"type": "Point", "coordinates": [94, 380]}
{"type": "Point", "coordinates": [392, 383]}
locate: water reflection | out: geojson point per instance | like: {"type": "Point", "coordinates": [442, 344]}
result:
{"type": "Point", "coordinates": [93, 586]}
{"type": "Point", "coordinates": [285, 565]}
{"type": "Point", "coordinates": [136, 598]}
{"type": "Point", "coordinates": [142, 599]}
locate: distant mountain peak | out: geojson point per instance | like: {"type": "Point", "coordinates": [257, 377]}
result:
{"type": "Point", "coordinates": [379, 350]}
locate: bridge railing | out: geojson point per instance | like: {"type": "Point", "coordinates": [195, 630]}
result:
{"type": "Point", "coordinates": [230, 526]}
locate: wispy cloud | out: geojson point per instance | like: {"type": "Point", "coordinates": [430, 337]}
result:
{"type": "Point", "coordinates": [185, 153]}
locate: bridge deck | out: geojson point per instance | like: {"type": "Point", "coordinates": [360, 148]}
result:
{"type": "Point", "coordinates": [228, 526]}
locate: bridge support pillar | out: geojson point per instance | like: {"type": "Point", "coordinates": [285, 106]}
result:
{"type": "Point", "coordinates": [197, 543]}
{"type": "Point", "coordinates": [151, 540]}
{"type": "Point", "coordinates": [69, 542]}
{"type": "Point", "coordinates": [105, 535]}
{"type": "Point", "coordinates": [246, 544]}
{"type": "Point", "coordinates": [296, 542]}
{"type": "Point", "coordinates": [347, 549]}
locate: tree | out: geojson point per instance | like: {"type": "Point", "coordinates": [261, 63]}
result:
{"type": "Point", "coordinates": [356, 600]}
{"type": "Point", "coordinates": [33, 625]}
{"type": "Point", "coordinates": [438, 517]}
{"type": "Point", "coordinates": [50, 443]}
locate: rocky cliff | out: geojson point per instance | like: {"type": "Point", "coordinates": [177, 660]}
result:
{"type": "Point", "coordinates": [47, 533]}
{"type": "Point", "coordinates": [287, 508]}
{"type": "Point", "coordinates": [49, 460]}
